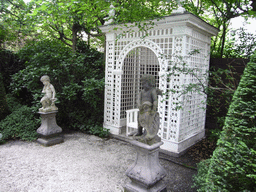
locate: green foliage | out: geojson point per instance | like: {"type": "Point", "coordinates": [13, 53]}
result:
{"type": "Point", "coordinates": [202, 170]}
{"type": "Point", "coordinates": [93, 88]}
{"type": "Point", "coordinates": [222, 85]}
{"type": "Point", "coordinates": [14, 27]}
{"type": "Point", "coordinates": [77, 78]}
{"type": "Point", "coordinates": [233, 164]}
{"type": "Point", "coordinates": [137, 11]}
{"type": "Point", "coordinates": [97, 130]}
{"type": "Point", "coordinates": [219, 13]}
{"type": "Point", "coordinates": [241, 44]}
{"type": "Point", "coordinates": [69, 19]}
{"type": "Point", "coordinates": [66, 20]}
{"type": "Point", "coordinates": [4, 110]}
{"type": "Point", "coordinates": [13, 103]}
{"type": "Point", "coordinates": [21, 123]}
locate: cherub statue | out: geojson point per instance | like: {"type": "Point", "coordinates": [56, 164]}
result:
{"type": "Point", "coordinates": [48, 100]}
{"type": "Point", "coordinates": [148, 115]}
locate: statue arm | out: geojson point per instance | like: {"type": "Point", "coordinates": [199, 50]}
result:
{"type": "Point", "coordinates": [139, 100]}
{"type": "Point", "coordinates": [53, 92]}
{"type": "Point", "coordinates": [155, 99]}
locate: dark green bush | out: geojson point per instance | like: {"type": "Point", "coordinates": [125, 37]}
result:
{"type": "Point", "coordinates": [4, 110]}
{"type": "Point", "coordinates": [222, 84]}
{"type": "Point", "coordinates": [9, 65]}
{"type": "Point", "coordinates": [13, 103]}
{"type": "Point", "coordinates": [97, 130]}
{"type": "Point", "coordinates": [21, 124]}
{"type": "Point", "coordinates": [233, 164]}
{"type": "Point", "coordinates": [77, 77]}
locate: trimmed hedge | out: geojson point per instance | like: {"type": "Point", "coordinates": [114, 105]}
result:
{"type": "Point", "coordinates": [233, 164]}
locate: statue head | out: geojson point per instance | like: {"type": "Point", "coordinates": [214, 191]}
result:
{"type": "Point", "coordinates": [45, 78]}
{"type": "Point", "coordinates": [148, 78]}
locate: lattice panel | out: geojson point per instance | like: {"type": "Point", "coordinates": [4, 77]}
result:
{"type": "Point", "coordinates": [117, 95]}
{"type": "Point", "coordinates": [192, 118]}
{"type": "Point", "coordinates": [178, 45]}
{"type": "Point", "coordinates": [169, 116]}
{"type": "Point", "coordinates": [138, 61]}
{"type": "Point", "coordinates": [150, 34]}
{"type": "Point", "coordinates": [165, 44]}
{"type": "Point", "coordinates": [119, 46]}
{"type": "Point", "coordinates": [130, 83]}
{"type": "Point", "coordinates": [109, 93]}
{"type": "Point", "coordinates": [164, 41]}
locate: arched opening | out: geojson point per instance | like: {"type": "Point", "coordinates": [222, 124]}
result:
{"type": "Point", "coordinates": [139, 61]}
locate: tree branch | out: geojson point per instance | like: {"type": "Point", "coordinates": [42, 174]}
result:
{"type": "Point", "coordinates": [94, 35]}
{"type": "Point", "coordinates": [61, 34]}
{"type": "Point", "coordinates": [15, 5]}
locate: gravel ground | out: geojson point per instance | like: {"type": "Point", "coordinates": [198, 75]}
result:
{"type": "Point", "coordinates": [83, 163]}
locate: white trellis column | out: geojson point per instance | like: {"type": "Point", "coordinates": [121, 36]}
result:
{"type": "Point", "coordinates": [171, 37]}
{"type": "Point", "coordinates": [110, 110]}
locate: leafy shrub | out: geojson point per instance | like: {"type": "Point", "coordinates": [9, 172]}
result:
{"type": "Point", "coordinates": [223, 81]}
{"type": "Point", "coordinates": [13, 103]}
{"type": "Point", "coordinates": [77, 77]}
{"type": "Point", "coordinates": [21, 124]}
{"type": "Point", "coordinates": [233, 164]}
{"type": "Point", "coordinates": [97, 130]}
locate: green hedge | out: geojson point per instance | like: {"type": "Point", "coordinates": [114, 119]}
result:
{"type": "Point", "coordinates": [233, 164]}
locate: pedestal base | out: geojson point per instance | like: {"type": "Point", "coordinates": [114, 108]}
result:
{"type": "Point", "coordinates": [49, 141]}
{"type": "Point", "coordinates": [146, 173]}
{"type": "Point", "coordinates": [134, 187]}
{"type": "Point", "coordinates": [49, 131]}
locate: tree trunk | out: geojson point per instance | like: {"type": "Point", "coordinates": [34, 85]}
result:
{"type": "Point", "coordinates": [74, 37]}
{"type": "Point", "coordinates": [88, 41]}
{"type": "Point", "coordinates": [214, 45]}
{"type": "Point", "coordinates": [223, 39]}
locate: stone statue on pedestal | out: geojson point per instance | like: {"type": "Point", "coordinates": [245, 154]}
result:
{"type": "Point", "coordinates": [146, 173]}
{"type": "Point", "coordinates": [49, 132]}
{"type": "Point", "coordinates": [48, 100]}
{"type": "Point", "coordinates": [148, 115]}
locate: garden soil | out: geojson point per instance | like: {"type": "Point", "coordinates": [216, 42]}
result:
{"type": "Point", "coordinates": [83, 163]}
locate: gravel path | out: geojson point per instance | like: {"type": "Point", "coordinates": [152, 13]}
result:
{"type": "Point", "coordinates": [83, 163]}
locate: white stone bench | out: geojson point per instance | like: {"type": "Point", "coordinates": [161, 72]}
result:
{"type": "Point", "coordinates": [131, 121]}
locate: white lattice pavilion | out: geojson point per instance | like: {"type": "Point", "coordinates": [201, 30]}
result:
{"type": "Point", "coordinates": [128, 56]}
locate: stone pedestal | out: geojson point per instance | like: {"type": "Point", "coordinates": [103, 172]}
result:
{"type": "Point", "coordinates": [146, 173]}
{"type": "Point", "coordinates": [49, 132]}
